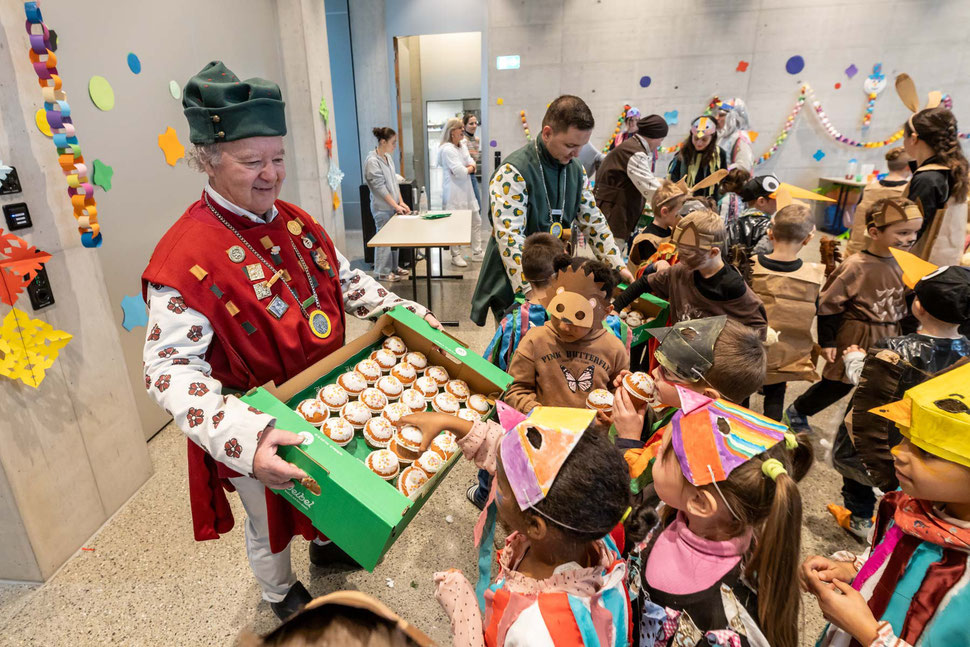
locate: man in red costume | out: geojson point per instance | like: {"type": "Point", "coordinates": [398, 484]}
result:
{"type": "Point", "coordinates": [245, 289]}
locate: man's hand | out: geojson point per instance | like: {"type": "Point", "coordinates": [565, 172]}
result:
{"type": "Point", "coordinates": [431, 319]}
{"type": "Point", "coordinates": [626, 276]}
{"type": "Point", "coordinates": [628, 414]}
{"type": "Point", "coordinates": [828, 354]}
{"type": "Point", "coordinates": [271, 470]}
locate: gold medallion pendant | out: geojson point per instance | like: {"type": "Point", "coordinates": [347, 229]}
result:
{"type": "Point", "coordinates": [320, 324]}
{"type": "Point", "coordinates": [556, 229]}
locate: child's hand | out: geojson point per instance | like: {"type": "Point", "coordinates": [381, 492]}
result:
{"type": "Point", "coordinates": [604, 418]}
{"type": "Point", "coordinates": [432, 423]}
{"type": "Point", "coordinates": [825, 569]}
{"type": "Point", "coordinates": [828, 354]}
{"type": "Point", "coordinates": [853, 349]}
{"type": "Point", "coordinates": [660, 265]}
{"type": "Point", "coordinates": [628, 414]}
{"type": "Point", "coordinates": [618, 380]}
{"type": "Point", "coordinates": [845, 607]}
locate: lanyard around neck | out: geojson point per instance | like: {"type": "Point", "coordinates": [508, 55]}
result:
{"type": "Point", "coordinates": [554, 214]}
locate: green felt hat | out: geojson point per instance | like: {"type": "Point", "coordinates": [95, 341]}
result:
{"type": "Point", "coordinates": [221, 108]}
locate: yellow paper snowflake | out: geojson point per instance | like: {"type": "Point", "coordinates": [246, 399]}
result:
{"type": "Point", "coordinates": [28, 347]}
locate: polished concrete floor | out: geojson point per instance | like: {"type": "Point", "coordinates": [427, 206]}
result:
{"type": "Point", "coordinates": [143, 580]}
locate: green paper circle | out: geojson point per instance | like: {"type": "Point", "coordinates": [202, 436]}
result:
{"type": "Point", "coordinates": [101, 93]}
{"type": "Point", "coordinates": [175, 89]}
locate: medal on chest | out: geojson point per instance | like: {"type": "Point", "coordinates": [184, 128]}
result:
{"type": "Point", "coordinates": [556, 228]}
{"type": "Point", "coordinates": [320, 324]}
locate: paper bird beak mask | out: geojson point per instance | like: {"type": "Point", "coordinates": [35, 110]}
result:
{"type": "Point", "coordinates": [535, 447]}
{"type": "Point", "coordinates": [711, 438]}
{"type": "Point", "coordinates": [703, 126]}
{"type": "Point", "coordinates": [788, 194]}
{"type": "Point", "coordinates": [687, 348]}
{"type": "Point", "coordinates": [576, 298]}
{"type": "Point", "coordinates": [935, 415]}
{"type": "Point", "coordinates": [914, 268]}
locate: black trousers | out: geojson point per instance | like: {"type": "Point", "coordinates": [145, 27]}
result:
{"type": "Point", "coordinates": [859, 498]}
{"type": "Point", "coordinates": [774, 404]}
{"type": "Point", "coordinates": [821, 395]}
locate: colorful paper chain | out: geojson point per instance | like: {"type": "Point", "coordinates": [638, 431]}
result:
{"type": "Point", "coordinates": [525, 125]}
{"type": "Point", "coordinates": [79, 188]}
{"type": "Point", "coordinates": [616, 131]}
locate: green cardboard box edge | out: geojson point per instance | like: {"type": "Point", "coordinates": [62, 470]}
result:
{"type": "Point", "coordinates": [372, 513]}
{"type": "Point", "coordinates": [651, 306]}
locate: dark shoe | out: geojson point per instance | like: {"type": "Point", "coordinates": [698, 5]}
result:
{"type": "Point", "coordinates": [470, 494]}
{"type": "Point", "coordinates": [295, 599]}
{"type": "Point", "coordinates": [796, 421]}
{"type": "Point", "coordinates": [329, 555]}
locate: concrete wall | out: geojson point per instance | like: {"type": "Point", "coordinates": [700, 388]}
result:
{"type": "Point", "coordinates": [600, 51]}
{"type": "Point", "coordinates": [451, 66]}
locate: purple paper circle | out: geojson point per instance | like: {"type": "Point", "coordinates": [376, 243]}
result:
{"type": "Point", "coordinates": [795, 64]}
{"type": "Point", "coordinates": [493, 143]}
{"type": "Point", "coordinates": [644, 81]}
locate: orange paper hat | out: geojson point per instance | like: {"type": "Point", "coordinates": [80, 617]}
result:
{"type": "Point", "coordinates": [535, 448]}
{"type": "Point", "coordinates": [935, 415]}
{"type": "Point", "coordinates": [914, 268]}
{"type": "Point", "coordinates": [576, 298]}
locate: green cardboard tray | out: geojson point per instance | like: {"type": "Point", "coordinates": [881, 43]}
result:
{"type": "Point", "coordinates": [363, 514]}
{"type": "Point", "coordinates": [650, 306]}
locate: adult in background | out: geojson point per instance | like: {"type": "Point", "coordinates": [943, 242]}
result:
{"type": "Point", "coordinates": [625, 182]}
{"type": "Point", "coordinates": [630, 127]}
{"type": "Point", "coordinates": [474, 146]}
{"type": "Point", "coordinates": [385, 200]}
{"type": "Point", "coordinates": [458, 177]}
{"type": "Point", "coordinates": [541, 187]}
{"type": "Point", "coordinates": [242, 290]}
{"type": "Point", "coordinates": [732, 134]}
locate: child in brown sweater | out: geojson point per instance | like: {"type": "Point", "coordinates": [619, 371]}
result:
{"type": "Point", "coordinates": [560, 362]}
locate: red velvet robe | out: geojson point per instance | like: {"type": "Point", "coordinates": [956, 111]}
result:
{"type": "Point", "coordinates": [193, 258]}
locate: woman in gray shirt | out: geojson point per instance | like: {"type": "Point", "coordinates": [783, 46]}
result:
{"type": "Point", "coordinates": [385, 200]}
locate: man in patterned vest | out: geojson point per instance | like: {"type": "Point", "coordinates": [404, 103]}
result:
{"type": "Point", "coordinates": [244, 289]}
{"type": "Point", "coordinates": [541, 187]}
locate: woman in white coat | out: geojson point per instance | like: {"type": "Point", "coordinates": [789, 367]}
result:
{"type": "Point", "coordinates": [458, 172]}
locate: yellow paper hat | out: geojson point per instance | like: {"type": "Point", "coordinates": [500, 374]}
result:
{"type": "Point", "coordinates": [914, 267]}
{"type": "Point", "coordinates": [935, 415]}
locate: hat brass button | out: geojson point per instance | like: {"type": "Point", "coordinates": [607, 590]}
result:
{"type": "Point", "coordinates": [216, 119]}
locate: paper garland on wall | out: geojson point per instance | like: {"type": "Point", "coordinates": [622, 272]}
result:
{"type": "Point", "coordinates": [19, 264]}
{"type": "Point", "coordinates": [616, 130]}
{"type": "Point", "coordinates": [28, 347]}
{"type": "Point", "coordinates": [58, 113]}
{"type": "Point", "coordinates": [101, 93]}
{"type": "Point", "coordinates": [334, 176]}
{"type": "Point", "coordinates": [525, 125]}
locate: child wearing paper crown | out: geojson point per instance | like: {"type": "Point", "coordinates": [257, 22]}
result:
{"type": "Point", "coordinates": [700, 284]}
{"type": "Point", "coordinates": [559, 492]}
{"type": "Point", "coordinates": [722, 571]}
{"type": "Point", "coordinates": [789, 288]}
{"type": "Point", "coordinates": [560, 362]}
{"type": "Point", "coordinates": [891, 367]}
{"type": "Point", "coordinates": [861, 303]}
{"type": "Point", "coordinates": [910, 588]}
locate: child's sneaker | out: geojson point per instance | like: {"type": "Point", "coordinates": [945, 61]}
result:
{"type": "Point", "coordinates": [796, 421]}
{"type": "Point", "coordinates": [860, 527]}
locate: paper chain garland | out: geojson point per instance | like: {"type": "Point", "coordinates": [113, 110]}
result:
{"type": "Point", "coordinates": [616, 131]}
{"type": "Point", "coordinates": [58, 112]}
{"type": "Point", "coordinates": [525, 125]}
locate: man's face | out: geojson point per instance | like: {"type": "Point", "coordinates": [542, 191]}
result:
{"type": "Point", "coordinates": [654, 143]}
{"type": "Point", "coordinates": [250, 172]}
{"type": "Point", "coordinates": [565, 145]}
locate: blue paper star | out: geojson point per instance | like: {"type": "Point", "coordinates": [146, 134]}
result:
{"type": "Point", "coordinates": [818, 155]}
{"type": "Point", "coordinates": [135, 312]}
{"type": "Point", "coordinates": [671, 117]}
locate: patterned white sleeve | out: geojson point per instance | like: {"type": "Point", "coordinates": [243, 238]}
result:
{"type": "Point", "coordinates": [638, 170]}
{"type": "Point", "coordinates": [508, 203]}
{"type": "Point", "coordinates": [365, 298]}
{"type": "Point", "coordinates": [597, 231]}
{"type": "Point", "coordinates": [180, 381]}
{"type": "Point", "coordinates": [886, 638]}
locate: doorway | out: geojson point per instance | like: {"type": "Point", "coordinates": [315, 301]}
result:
{"type": "Point", "coordinates": [438, 77]}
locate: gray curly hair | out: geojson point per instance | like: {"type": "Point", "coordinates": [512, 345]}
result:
{"type": "Point", "coordinates": [204, 154]}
